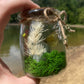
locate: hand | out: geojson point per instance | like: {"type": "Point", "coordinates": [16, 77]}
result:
{"type": "Point", "coordinates": [6, 77]}
{"type": "Point", "coordinates": [8, 7]}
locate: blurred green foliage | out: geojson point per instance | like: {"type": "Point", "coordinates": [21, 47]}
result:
{"type": "Point", "coordinates": [74, 9]}
{"type": "Point", "coordinates": [13, 18]}
{"type": "Point", "coordinates": [49, 64]}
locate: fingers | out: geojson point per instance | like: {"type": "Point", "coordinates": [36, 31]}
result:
{"type": "Point", "coordinates": [36, 80]}
{"type": "Point", "coordinates": [31, 4]}
{"type": "Point", "coordinates": [20, 5]}
{"type": "Point", "coordinates": [4, 66]}
{"type": "Point", "coordinates": [30, 80]}
{"type": "Point", "coordinates": [8, 7]}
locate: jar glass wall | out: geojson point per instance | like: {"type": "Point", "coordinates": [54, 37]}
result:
{"type": "Point", "coordinates": [41, 43]}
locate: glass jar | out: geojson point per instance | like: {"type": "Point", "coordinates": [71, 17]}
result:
{"type": "Point", "coordinates": [43, 41]}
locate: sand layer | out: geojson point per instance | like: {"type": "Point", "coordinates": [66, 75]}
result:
{"type": "Point", "coordinates": [74, 71]}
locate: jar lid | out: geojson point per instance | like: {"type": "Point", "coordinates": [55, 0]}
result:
{"type": "Point", "coordinates": [49, 14]}
{"type": "Point", "coordinates": [37, 12]}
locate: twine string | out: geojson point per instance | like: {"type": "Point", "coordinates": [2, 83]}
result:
{"type": "Point", "coordinates": [61, 22]}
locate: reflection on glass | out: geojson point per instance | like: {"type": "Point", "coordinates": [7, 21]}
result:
{"type": "Point", "coordinates": [10, 52]}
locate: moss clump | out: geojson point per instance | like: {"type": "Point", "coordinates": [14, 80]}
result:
{"type": "Point", "coordinates": [50, 64]}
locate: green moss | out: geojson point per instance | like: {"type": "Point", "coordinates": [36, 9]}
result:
{"type": "Point", "coordinates": [50, 64]}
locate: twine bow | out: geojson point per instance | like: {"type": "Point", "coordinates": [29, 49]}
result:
{"type": "Point", "coordinates": [61, 22]}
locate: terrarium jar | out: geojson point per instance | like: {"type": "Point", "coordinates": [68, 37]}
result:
{"type": "Point", "coordinates": [42, 41]}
